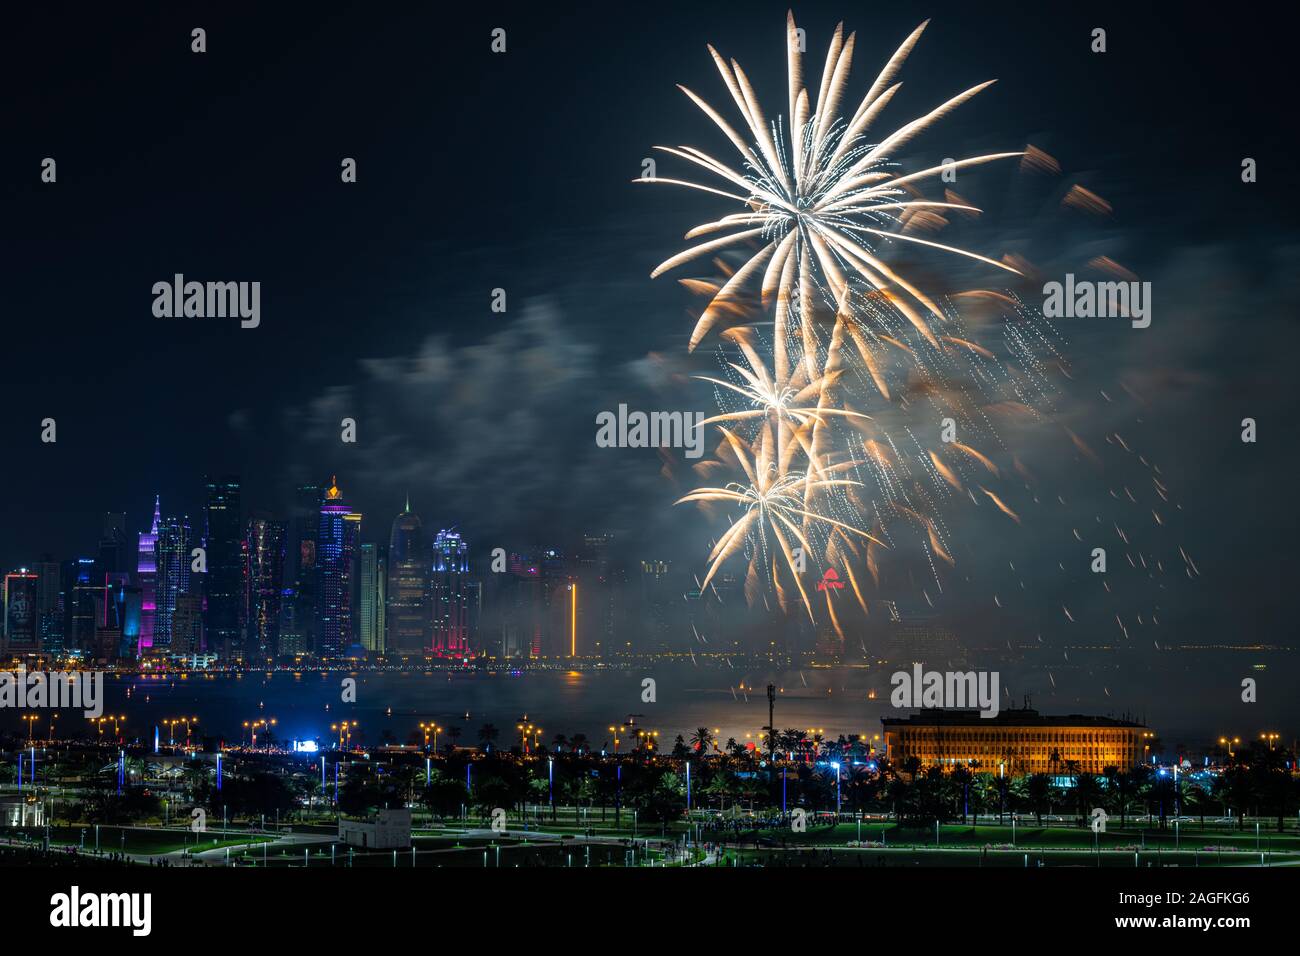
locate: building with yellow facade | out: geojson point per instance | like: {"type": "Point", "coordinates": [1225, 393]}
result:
{"type": "Point", "coordinates": [1016, 742]}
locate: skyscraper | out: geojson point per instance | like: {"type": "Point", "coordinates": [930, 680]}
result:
{"type": "Point", "coordinates": [409, 621]}
{"type": "Point", "coordinates": [264, 543]}
{"type": "Point", "coordinates": [373, 590]}
{"type": "Point", "coordinates": [604, 580]}
{"type": "Point", "coordinates": [113, 550]}
{"type": "Point", "coordinates": [146, 571]}
{"type": "Point", "coordinates": [49, 605]}
{"type": "Point", "coordinates": [223, 541]}
{"type": "Point", "coordinates": [298, 634]}
{"type": "Point", "coordinates": [21, 635]}
{"type": "Point", "coordinates": [336, 545]}
{"type": "Point", "coordinates": [175, 539]}
{"type": "Point", "coordinates": [519, 603]}
{"type": "Point", "coordinates": [449, 594]}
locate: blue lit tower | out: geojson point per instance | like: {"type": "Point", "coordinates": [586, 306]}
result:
{"type": "Point", "coordinates": [336, 548]}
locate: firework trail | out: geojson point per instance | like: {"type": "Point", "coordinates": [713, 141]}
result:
{"type": "Point", "coordinates": [832, 416]}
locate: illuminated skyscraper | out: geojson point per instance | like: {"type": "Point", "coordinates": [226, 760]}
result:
{"type": "Point", "coordinates": [223, 583]}
{"type": "Point", "coordinates": [409, 619]}
{"type": "Point", "coordinates": [373, 590]}
{"type": "Point", "coordinates": [264, 576]}
{"type": "Point", "coordinates": [450, 594]}
{"type": "Point", "coordinates": [21, 635]}
{"type": "Point", "coordinates": [336, 551]}
{"type": "Point", "coordinates": [147, 578]}
{"type": "Point", "coordinates": [175, 539]}
{"type": "Point", "coordinates": [78, 605]}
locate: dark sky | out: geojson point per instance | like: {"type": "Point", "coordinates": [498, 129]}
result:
{"type": "Point", "coordinates": [479, 171]}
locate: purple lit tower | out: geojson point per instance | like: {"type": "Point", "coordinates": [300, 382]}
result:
{"type": "Point", "coordinates": [147, 576]}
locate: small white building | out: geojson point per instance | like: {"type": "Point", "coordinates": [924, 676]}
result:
{"type": "Point", "coordinates": [386, 830]}
{"type": "Point", "coordinates": [21, 810]}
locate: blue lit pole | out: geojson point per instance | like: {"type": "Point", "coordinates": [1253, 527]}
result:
{"type": "Point", "coordinates": [428, 771]}
{"type": "Point", "coordinates": [33, 765]}
{"type": "Point", "coordinates": [322, 774]}
{"type": "Point", "coordinates": [837, 791]}
{"type": "Point", "coordinates": [688, 786]}
{"type": "Point", "coordinates": [121, 770]}
{"type": "Point", "coordinates": [550, 774]}
{"type": "Point", "coordinates": [218, 770]}
{"type": "Point", "coordinates": [155, 738]}
{"type": "Point", "coordinates": [20, 771]}
{"type": "Point", "coordinates": [783, 779]}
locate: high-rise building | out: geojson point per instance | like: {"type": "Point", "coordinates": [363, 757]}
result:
{"type": "Point", "coordinates": [603, 581]}
{"type": "Point", "coordinates": [560, 638]}
{"type": "Point", "coordinates": [662, 605]}
{"type": "Point", "coordinates": [519, 606]}
{"type": "Point", "coordinates": [113, 555]}
{"type": "Point", "coordinates": [146, 576]}
{"type": "Point", "coordinates": [264, 543]}
{"type": "Point", "coordinates": [373, 589]}
{"type": "Point", "coordinates": [187, 626]}
{"type": "Point", "coordinates": [79, 592]}
{"type": "Point", "coordinates": [337, 538]}
{"type": "Point", "coordinates": [450, 598]}
{"type": "Point", "coordinates": [175, 540]}
{"type": "Point", "coordinates": [298, 632]}
{"type": "Point", "coordinates": [49, 605]}
{"type": "Point", "coordinates": [117, 620]}
{"type": "Point", "coordinates": [223, 540]}
{"type": "Point", "coordinates": [409, 618]}
{"type": "Point", "coordinates": [21, 635]}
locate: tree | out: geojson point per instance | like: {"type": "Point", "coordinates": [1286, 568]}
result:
{"type": "Point", "coordinates": [701, 740]}
{"type": "Point", "coordinates": [1039, 792]}
{"type": "Point", "coordinates": [444, 796]}
{"type": "Point", "coordinates": [487, 735]}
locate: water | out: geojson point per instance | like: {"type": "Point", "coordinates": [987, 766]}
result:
{"type": "Point", "coordinates": [1191, 697]}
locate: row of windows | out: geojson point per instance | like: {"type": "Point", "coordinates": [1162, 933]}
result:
{"type": "Point", "coordinates": [1111, 737]}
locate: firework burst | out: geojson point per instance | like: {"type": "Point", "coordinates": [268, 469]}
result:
{"type": "Point", "coordinates": [817, 193]}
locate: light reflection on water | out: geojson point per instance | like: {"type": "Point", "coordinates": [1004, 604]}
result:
{"type": "Point", "coordinates": [1188, 698]}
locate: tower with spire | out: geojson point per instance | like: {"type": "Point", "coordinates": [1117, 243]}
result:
{"type": "Point", "coordinates": [147, 576]}
{"type": "Point", "coordinates": [409, 622]}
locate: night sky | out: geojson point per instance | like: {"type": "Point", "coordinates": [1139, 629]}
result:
{"type": "Point", "coordinates": [479, 171]}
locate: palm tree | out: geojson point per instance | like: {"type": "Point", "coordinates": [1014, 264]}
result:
{"type": "Point", "coordinates": [560, 741]}
{"type": "Point", "coordinates": [701, 740]}
{"type": "Point", "coordinates": [1039, 789]}
{"type": "Point", "coordinates": [487, 735]}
